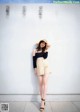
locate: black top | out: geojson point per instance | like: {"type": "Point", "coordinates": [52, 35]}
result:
{"type": "Point", "coordinates": [38, 55]}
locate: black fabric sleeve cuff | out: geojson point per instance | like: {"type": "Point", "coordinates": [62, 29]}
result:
{"type": "Point", "coordinates": [34, 61]}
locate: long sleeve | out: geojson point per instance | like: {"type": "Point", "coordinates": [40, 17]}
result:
{"type": "Point", "coordinates": [45, 55]}
{"type": "Point", "coordinates": [34, 61]}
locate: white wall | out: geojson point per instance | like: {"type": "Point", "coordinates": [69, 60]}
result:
{"type": "Point", "coordinates": [60, 25]}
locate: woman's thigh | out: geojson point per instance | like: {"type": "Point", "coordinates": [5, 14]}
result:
{"type": "Point", "coordinates": [45, 78]}
{"type": "Point", "coordinates": [40, 78]}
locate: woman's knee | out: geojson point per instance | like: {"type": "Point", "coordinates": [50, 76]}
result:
{"type": "Point", "coordinates": [40, 81]}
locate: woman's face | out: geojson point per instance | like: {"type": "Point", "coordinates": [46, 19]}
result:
{"type": "Point", "coordinates": [42, 44]}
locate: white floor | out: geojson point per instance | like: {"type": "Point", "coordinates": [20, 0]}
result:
{"type": "Point", "coordinates": [52, 106]}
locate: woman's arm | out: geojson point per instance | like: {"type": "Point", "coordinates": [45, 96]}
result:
{"type": "Point", "coordinates": [34, 61]}
{"type": "Point", "coordinates": [34, 58]}
{"type": "Point", "coordinates": [45, 55]}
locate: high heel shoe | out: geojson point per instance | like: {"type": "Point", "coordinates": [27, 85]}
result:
{"type": "Point", "coordinates": [43, 100]}
{"type": "Point", "coordinates": [42, 108]}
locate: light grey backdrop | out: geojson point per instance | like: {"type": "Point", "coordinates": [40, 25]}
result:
{"type": "Point", "coordinates": [60, 25]}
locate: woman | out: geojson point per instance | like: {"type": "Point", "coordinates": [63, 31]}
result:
{"type": "Point", "coordinates": [41, 68]}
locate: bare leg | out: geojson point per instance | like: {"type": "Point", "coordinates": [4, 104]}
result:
{"type": "Point", "coordinates": [44, 88]}
{"type": "Point", "coordinates": [40, 85]}
{"type": "Point", "coordinates": [45, 81]}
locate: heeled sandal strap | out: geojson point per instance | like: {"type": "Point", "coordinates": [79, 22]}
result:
{"type": "Point", "coordinates": [42, 99]}
{"type": "Point", "coordinates": [41, 107]}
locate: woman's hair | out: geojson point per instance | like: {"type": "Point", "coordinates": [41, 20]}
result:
{"type": "Point", "coordinates": [39, 48]}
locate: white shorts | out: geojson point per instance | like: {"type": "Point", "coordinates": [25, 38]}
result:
{"type": "Point", "coordinates": [42, 66]}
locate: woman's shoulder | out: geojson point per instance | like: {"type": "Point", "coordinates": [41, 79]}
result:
{"type": "Point", "coordinates": [46, 50]}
